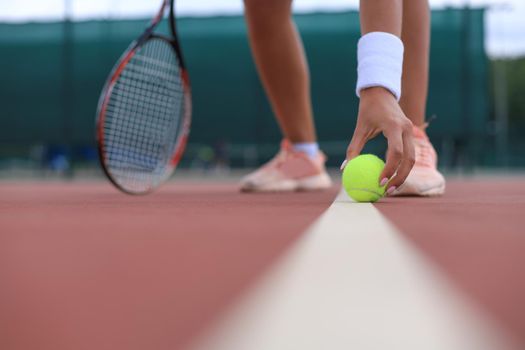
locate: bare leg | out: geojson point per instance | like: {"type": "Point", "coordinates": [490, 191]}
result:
{"type": "Point", "coordinates": [278, 53]}
{"type": "Point", "coordinates": [416, 38]}
{"type": "Point", "coordinates": [425, 179]}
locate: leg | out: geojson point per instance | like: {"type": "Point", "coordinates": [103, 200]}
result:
{"type": "Point", "coordinates": [280, 60]}
{"type": "Point", "coordinates": [416, 38]}
{"type": "Point", "coordinates": [424, 179]}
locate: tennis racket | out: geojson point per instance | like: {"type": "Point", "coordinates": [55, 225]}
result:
{"type": "Point", "coordinates": [144, 111]}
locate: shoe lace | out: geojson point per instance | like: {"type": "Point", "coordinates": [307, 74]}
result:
{"type": "Point", "coordinates": [277, 161]}
{"type": "Point", "coordinates": [424, 153]}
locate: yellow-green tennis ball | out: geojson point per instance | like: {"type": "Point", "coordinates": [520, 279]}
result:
{"type": "Point", "coordinates": [361, 178]}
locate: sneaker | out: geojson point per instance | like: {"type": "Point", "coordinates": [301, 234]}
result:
{"type": "Point", "coordinates": [289, 171]}
{"type": "Point", "coordinates": [424, 178]}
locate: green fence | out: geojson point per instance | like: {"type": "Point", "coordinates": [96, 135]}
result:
{"type": "Point", "coordinates": [52, 74]}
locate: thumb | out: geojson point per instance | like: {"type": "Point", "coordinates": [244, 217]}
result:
{"type": "Point", "coordinates": [355, 147]}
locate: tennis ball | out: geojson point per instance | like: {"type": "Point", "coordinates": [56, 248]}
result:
{"type": "Point", "coordinates": [361, 178]}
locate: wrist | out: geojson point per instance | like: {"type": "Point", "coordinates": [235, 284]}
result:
{"type": "Point", "coordinates": [376, 92]}
{"type": "Point", "coordinates": [379, 63]}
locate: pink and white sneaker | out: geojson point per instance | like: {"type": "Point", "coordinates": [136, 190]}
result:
{"type": "Point", "coordinates": [289, 171]}
{"type": "Point", "coordinates": [424, 178]}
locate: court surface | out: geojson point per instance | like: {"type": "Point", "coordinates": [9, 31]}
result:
{"type": "Point", "coordinates": [199, 266]}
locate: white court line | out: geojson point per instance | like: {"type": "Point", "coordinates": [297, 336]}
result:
{"type": "Point", "coordinates": [354, 282]}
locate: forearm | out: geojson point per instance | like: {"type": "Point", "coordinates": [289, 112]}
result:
{"type": "Point", "coordinates": [380, 49]}
{"type": "Point", "coordinates": [381, 16]}
{"type": "Point", "coordinates": [380, 59]}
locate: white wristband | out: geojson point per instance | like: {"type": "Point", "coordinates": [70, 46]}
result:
{"type": "Point", "coordinates": [380, 62]}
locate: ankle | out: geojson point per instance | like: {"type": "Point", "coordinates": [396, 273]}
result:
{"type": "Point", "coordinates": [419, 131]}
{"type": "Point", "coordinates": [311, 149]}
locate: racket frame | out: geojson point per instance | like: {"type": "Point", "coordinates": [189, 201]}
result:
{"type": "Point", "coordinates": [115, 74]}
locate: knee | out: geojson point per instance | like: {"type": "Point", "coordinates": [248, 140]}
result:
{"type": "Point", "coordinates": [255, 9]}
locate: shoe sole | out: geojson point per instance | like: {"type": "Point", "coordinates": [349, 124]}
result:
{"type": "Point", "coordinates": [434, 191]}
{"type": "Point", "coordinates": [312, 183]}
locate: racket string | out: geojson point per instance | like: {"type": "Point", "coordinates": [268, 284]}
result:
{"type": "Point", "coordinates": [144, 116]}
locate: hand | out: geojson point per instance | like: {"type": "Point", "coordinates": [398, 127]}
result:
{"type": "Point", "coordinates": [380, 112]}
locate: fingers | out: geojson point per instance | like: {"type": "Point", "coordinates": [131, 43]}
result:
{"type": "Point", "coordinates": [394, 154]}
{"type": "Point", "coordinates": [400, 157]}
{"type": "Point", "coordinates": [355, 147]}
{"type": "Point", "coordinates": [407, 161]}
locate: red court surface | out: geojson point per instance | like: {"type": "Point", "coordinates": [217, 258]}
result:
{"type": "Point", "coordinates": [85, 267]}
{"type": "Point", "coordinates": [476, 234]}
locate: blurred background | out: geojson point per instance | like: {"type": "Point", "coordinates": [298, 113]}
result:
{"type": "Point", "coordinates": [57, 54]}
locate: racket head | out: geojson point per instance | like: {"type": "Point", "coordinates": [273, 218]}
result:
{"type": "Point", "coordinates": [144, 115]}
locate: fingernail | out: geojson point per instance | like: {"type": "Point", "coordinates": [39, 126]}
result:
{"type": "Point", "coordinates": [383, 182]}
{"type": "Point", "coordinates": [343, 164]}
{"type": "Point", "coordinates": [391, 190]}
